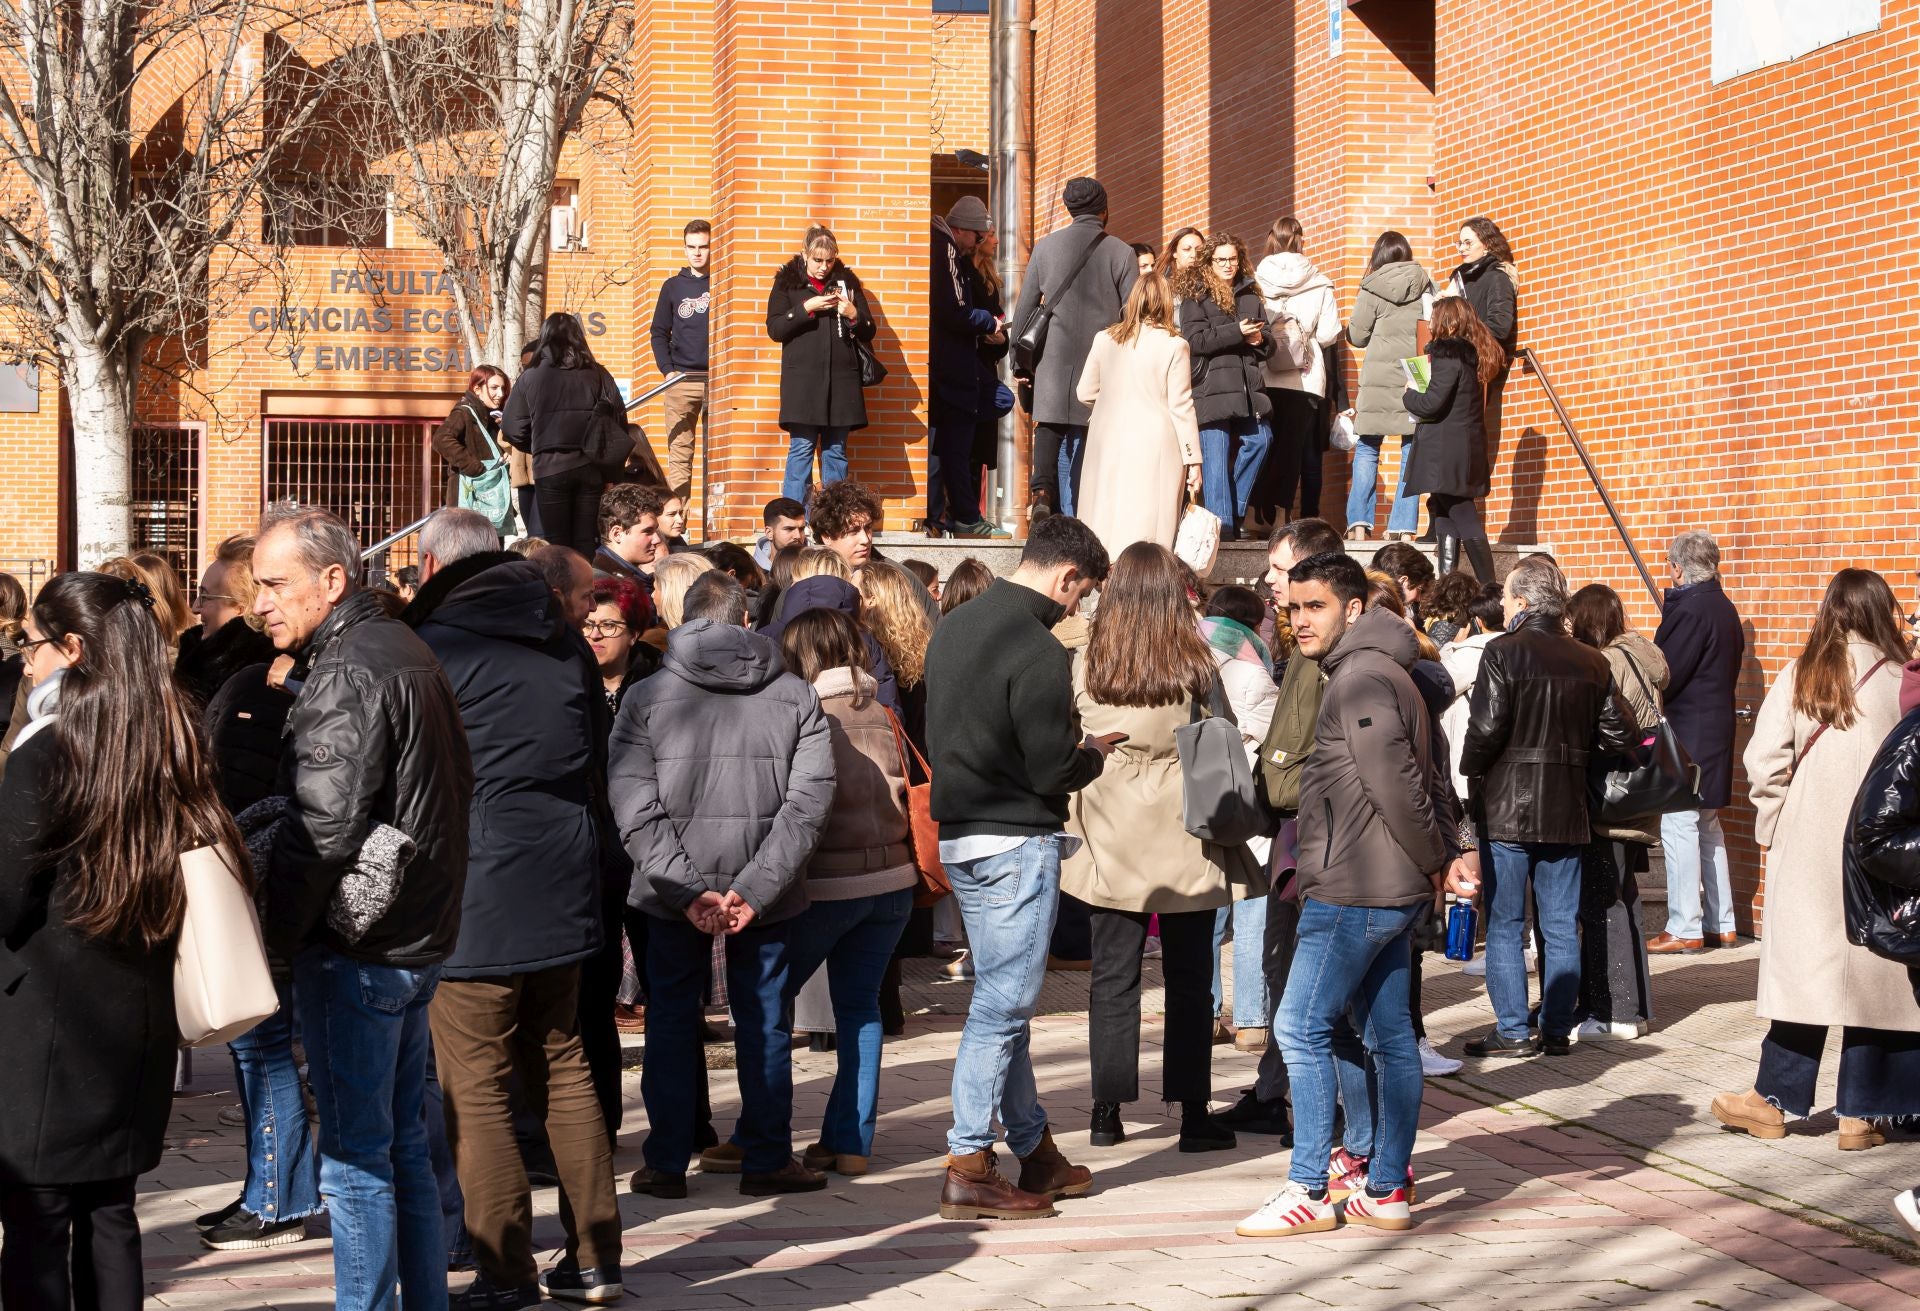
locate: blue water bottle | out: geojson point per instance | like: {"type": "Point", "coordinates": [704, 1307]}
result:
{"type": "Point", "coordinates": [1461, 923]}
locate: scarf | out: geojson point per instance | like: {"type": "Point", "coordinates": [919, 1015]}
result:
{"type": "Point", "coordinates": [1236, 641]}
{"type": "Point", "coordinates": [43, 703]}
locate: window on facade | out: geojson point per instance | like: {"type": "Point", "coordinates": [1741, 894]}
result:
{"type": "Point", "coordinates": [327, 211]}
{"type": "Point", "coordinates": [377, 474]}
{"type": "Point", "coordinates": [567, 220]}
{"type": "Point", "coordinates": [1750, 34]}
{"type": "Point", "coordinates": [164, 495]}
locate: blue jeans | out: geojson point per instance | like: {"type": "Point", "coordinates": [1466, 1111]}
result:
{"type": "Point", "coordinates": [453, 1202]}
{"type": "Point", "coordinates": [1363, 491]}
{"type": "Point", "coordinates": [1250, 1009]}
{"type": "Point", "coordinates": [1696, 852]}
{"type": "Point", "coordinates": [283, 1175]}
{"type": "Point", "coordinates": [1073, 454]}
{"type": "Point", "coordinates": [1351, 960]}
{"type": "Point", "coordinates": [679, 960]}
{"type": "Point", "coordinates": [802, 440]}
{"type": "Point", "coordinates": [1008, 903]}
{"type": "Point", "coordinates": [1554, 871]}
{"type": "Point", "coordinates": [854, 939]}
{"type": "Point", "coordinates": [365, 1028]}
{"type": "Point", "coordinates": [1230, 458]}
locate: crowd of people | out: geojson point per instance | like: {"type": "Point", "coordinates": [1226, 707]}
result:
{"type": "Point", "coordinates": [554, 784]}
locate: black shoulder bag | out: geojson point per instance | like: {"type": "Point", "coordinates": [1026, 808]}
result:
{"type": "Point", "coordinates": [609, 441]}
{"type": "Point", "coordinates": [1657, 778]}
{"type": "Point", "coordinates": [1031, 341]}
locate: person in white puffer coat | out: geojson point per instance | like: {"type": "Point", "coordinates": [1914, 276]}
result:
{"type": "Point", "coordinates": [1305, 318]}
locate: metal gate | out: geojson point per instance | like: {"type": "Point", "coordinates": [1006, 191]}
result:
{"type": "Point", "coordinates": [164, 495]}
{"type": "Point", "coordinates": [377, 474]}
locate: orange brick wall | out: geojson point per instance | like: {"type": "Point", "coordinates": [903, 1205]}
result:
{"type": "Point", "coordinates": [957, 112]}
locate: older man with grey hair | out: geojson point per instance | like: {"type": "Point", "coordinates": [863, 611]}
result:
{"type": "Point", "coordinates": [1543, 706]}
{"type": "Point", "coordinates": [374, 740]}
{"type": "Point", "coordinates": [1702, 639]}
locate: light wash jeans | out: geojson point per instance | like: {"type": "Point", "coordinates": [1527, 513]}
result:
{"type": "Point", "coordinates": [1008, 903]}
{"type": "Point", "coordinates": [1250, 1009]}
{"type": "Point", "coordinates": [1553, 871]}
{"type": "Point", "coordinates": [1692, 842]}
{"type": "Point", "coordinates": [1351, 960]}
{"type": "Point", "coordinates": [1363, 491]}
{"type": "Point", "coordinates": [1230, 458]}
{"type": "Point", "coordinates": [283, 1172]}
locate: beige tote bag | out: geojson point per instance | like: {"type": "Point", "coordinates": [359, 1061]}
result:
{"type": "Point", "coordinates": [221, 984]}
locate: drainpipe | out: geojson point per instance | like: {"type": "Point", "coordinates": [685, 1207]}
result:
{"type": "Point", "coordinates": [1010, 182]}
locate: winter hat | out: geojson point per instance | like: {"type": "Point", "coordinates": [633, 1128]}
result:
{"type": "Point", "coordinates": [1084, 196]}
{"type": "Point", "coordinates": [969, 213]}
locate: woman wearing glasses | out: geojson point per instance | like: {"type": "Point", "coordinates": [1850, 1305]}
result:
{"type": "Point", "coordinates": [1225, 326]}
{"type": "Point", "coordinates": [621, 612]}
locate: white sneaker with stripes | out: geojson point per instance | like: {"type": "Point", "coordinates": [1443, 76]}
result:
{"type": "Point", "coordinates": [1289, 1211]}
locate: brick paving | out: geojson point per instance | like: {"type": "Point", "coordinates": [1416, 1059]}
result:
{"type": "Point", "coordinates": [1590, 1181]}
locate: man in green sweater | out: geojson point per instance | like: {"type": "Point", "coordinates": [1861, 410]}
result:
{"type": "Point", "coordinates": [1007, 751]}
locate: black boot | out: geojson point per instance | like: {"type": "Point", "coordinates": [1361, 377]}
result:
{"type": "Point", "coordinates": [1106, 1129]}
{"type": "Point", "coordinates": [1446, 553]}
{"type": "Point", "coordinates": [1481, 555]}
{"type": "Point", "coordinates": [1201, 1132]}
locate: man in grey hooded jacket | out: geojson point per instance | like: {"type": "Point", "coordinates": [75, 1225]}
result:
{"type": "Point", "coordinates": [721, 775]}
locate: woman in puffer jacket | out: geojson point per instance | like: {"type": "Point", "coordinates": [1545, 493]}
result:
{"type": "Point", "coordinates": [1395, 297]}
{"type": "Point", "coordinates": [1616, 992]}
{"type": "Point", "coordinates": [1225, 326]}
{"type": "Point", "coordinates": [861, 879]}
{"type": "Point", "coordinates": [1304, 319]}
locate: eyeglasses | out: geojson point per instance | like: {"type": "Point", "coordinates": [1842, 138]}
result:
{"type": "Point", "coordinates": [1227, 261]}
{"type": "Point", "coordinates": [25, 646]}
{"type": "Point", "coordinates": [215, 596]}
{"type": "Point", "coordinates": [605, 628]}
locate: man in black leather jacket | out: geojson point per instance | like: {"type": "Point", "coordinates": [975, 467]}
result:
{"type": "Point", "coordinates": [374, 738]}
{"type": "Point", "coordinates": [1542, 706]}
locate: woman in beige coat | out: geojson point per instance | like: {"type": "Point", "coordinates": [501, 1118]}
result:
{"type": "Point", "coordinates": [1819, 728]}
{"type": "Point", "coordinates": [1143, 441]}
{"type": "Point", "coordinates": [1144, 670]}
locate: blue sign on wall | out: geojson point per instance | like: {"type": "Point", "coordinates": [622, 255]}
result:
{"type": "Point", "coordinates": [1336, 11]}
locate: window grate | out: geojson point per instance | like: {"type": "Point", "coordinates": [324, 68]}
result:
{"type": "Point", "coordinates": [164, 495]}
{"type": "Point", "coordinates": [373, 473]}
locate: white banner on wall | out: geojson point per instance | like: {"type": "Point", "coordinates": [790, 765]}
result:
{"type": "Point", "coordinates": [1750, 34]}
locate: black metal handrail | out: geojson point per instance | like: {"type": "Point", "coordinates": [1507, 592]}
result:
{"type": "Point", "coordinates": [1586, 462]}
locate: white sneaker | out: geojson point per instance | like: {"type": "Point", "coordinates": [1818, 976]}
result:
{"type": "Point", "coordinates": [1601, 1031]}
{"type": "Point", "coordinates": [1433, 1064]}
{"type": "Point", "coordinates": [1907, 1207]}
{"type": "Point", "coordinates": [1289, 1211]}
{"type": "Point", "coordinates": [960, 967]}
{"type": "Point", "coordinates": [1477, 967]}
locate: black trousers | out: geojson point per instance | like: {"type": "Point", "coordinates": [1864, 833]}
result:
{"type": "Point", "coordinates": [570, 508]}
{"type": "Point", "coordinates": [1614, 983]}
{"type": "Point", "coordinates": [76, 1246]}
{"type": "Point", "coordinates": [1879, 1070]}
{"type": "Point", "coordinates": [599, 1035]}
{"type": "Point", "coordinates": [1113, 1020]}
{"type": "Point", "coordinates": [1072, 936]}
{"type": "Point", "coordinates": [1296, 427]}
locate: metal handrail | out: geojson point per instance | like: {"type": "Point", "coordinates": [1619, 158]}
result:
{"type": "Point", "coordinates": [1586, 462]}
{"type": "Point", "coordinates": [388, 542]}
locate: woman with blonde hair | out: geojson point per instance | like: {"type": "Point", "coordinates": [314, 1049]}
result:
{"type": "Point", "coordinates": [814, 561]}
{"type": "Point", "coordinates": [900, 615]}
{"type": "Point", "coordinates": [228, 637]}
{"type": "Point", "coordinates": [671, 579]}
{"type": "Point", "coordinates": [170, 609]}
{"type": "Point", "coordinates": [1143, 441]}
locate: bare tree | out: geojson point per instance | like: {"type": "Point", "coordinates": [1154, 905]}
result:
{"type": "Point", "coordinates": [133, 141]}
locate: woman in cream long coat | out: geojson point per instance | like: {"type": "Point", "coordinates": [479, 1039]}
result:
{"type": "Point", "coordinates": [1143, 441]}
{"type": "Point", "coordinates": [1802, 779]}
{"type": "Point", "coordinates": [1144, 669]}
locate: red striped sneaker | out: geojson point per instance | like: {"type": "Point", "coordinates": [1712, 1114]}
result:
{"type": "Point", "coordinates": [1389, 1212]}
{"type": "Point", "coordinates": [1347, 1175]}
{"type": "Point", "coordinates": [1290, 1211]}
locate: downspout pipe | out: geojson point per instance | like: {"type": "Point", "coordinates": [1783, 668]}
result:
{"type": "Point", "coordinates": [1010, 183]}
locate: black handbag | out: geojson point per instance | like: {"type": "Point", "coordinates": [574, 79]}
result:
{"type": "Point", "coordinates": [872, 371]}
{"type": "Point", "coordinates": [609, 441]}
{"type": "Point", "coordinates": [1031, 341]}
{"type": "Point", "coordinates": [1658, 778]}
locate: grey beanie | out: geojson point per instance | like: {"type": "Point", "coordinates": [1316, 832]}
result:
{"type": "Point", "coordinates": [970, 214]}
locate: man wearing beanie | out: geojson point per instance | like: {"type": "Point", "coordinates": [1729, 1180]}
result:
{"type": "Point", "coordinates": [1084, 303]}
{"type": "Point", "coordinates": [953, 369]}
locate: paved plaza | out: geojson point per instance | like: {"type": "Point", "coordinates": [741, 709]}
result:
{"type": "Point", "coordinates": [1589, 1181]}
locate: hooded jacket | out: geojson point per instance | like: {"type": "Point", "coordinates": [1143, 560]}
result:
{"type": "Point", "coordinates": [825, 592]}
{"type": "Point", "coordinates": [819, 367]}
{"type": "Point", "coordinates": [956, 325]}
{"type": "Point", "coordinates": [1386, 324]}
{"type": "Point", "coordinates": [374, 737]}
{"type": "Point", "coordinates": [721, 775]}
{"type": "Point", "coordinates": [530, 699]}
{"type": "Point", "coordinates": [1291, 287]}
{"type": "Point", "coordinates": [1374, 809]}
{"type": "Point", "coordinates": [865, 849]}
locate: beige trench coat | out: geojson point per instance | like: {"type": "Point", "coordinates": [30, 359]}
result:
{"type": "Point", "coordinates": [1140, 439]}
{"type": "Point", "coordinates": [1809, 972]}
{"type": "Point", "coordinates": [1135, 854]}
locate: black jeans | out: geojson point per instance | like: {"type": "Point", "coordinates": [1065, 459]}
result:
{"type": "Point", "coordinates": [1614, 983]}
{"type": "Point", "coordinates": [570, 508]}
{"type": "Point", "coordinates": [599, 1035]}
{"type": "Point", "coordinates": [528, 501]}
{"type": "Point", "coordinates": [1072, 935]}
{"type": "Point", "coordinates": [76, 1245]}
{"type": "Point", "coordinates": [1879, 1070]}
{"type": "Point", "coordinates": [1296, 427]}
{"type": "Point", "coordinates": [1113, 1020]}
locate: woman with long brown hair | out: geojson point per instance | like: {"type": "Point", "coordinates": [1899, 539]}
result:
{"type": "Point", "coordinates": [1224, 322]}
{"type": "Point", "coordinates": [1447, 458]}
{"type": "Point", "coordinates": [1819, 728]}
{"type": "Point", "coordinates": [1143, 440]}
{"type": "Point", "coordinates": [1144, 672]}
{"type": "Point", "coordinates": [105, 790]}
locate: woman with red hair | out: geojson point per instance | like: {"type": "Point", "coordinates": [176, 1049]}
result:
{"type": "Point", "coordinates": [468, 439]}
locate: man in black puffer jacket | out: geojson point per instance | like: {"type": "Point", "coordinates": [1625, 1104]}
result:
{"type": "Point", "coordinates": [374, 738]}
{"type": "Point", "coordinates": [531, 911]}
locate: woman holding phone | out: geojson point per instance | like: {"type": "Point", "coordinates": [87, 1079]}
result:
{"type": "Point", "coordinates": [818, 313]}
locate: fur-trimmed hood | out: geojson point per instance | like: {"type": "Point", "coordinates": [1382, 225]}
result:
{"type": "Point", "coordinates": [1455, 348]}
{"type": "Point", "coordinates": [793, 274]}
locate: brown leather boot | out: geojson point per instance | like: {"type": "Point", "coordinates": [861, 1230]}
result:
{"type": "Point", "coordinates": [976, 1190]}
{"type": "Point", "coordinates": [1046, 1172]}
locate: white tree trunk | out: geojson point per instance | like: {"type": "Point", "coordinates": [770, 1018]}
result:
{"type": "Point", "coordinates": [99, 386]}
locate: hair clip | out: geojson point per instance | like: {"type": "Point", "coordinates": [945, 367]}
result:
{"type": "Point", "coordinates": [139, 591]}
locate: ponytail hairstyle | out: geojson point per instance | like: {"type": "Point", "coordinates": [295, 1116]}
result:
{"type": "Point", "coordinates": [131, 786]}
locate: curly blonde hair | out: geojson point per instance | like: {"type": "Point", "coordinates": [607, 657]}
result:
{"type": "Point", "coordinates": [900, 614]}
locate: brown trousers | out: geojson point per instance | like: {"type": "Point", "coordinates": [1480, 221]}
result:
{"type": "Point", "coordinates": [682, 404]}
{"type": "Point", "coordinates": [483, 1030]}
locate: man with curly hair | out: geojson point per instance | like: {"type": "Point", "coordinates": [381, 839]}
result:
{"type": "Point", "coordinates": [845, 516]}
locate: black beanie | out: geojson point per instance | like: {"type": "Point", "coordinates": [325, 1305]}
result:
{"type": "Point", "coordinates": [1084, 196]}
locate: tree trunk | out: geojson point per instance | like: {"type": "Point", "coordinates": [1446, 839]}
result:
{"type": "Point", "coordinates": [99, 386]}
